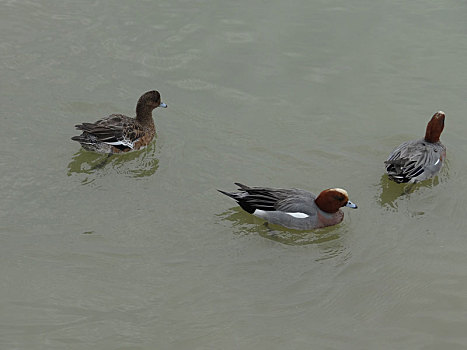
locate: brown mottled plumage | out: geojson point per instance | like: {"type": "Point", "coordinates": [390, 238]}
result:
{"type": "Point", "coordinates": [119, 133]}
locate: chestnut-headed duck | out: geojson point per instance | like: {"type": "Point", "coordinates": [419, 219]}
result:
{"type": "Point", "coordinates": [119, 133]}
{"type": "Point", "coordinates": [293, 208]}
{"type": "Point", "coordinates": [421, 159]}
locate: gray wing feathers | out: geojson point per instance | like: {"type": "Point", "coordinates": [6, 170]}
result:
{"type": "Point", "coordinates": [287, 200]}
{"type": "Point", "coordinates": [298, 202]}
{"type": "Point", "coordinates": [412, 158]}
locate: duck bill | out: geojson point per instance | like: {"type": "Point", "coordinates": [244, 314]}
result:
{"type": "Point", "coordinates": [163, 105]}
{"type": "Point", "coordinates": [351, 205]}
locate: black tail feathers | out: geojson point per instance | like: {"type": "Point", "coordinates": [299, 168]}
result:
{"type": "Point", "coordinates": [240, 198]}
{"type": "Point", "coordinates": [231, 195]}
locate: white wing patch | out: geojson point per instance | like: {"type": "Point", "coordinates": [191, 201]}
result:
{"type": "Point", "coordinates": [298, 215]}
{"type": "Point", "coordinates": [124, 142]}
{"type": "Point", "coordinates": [263, 214]}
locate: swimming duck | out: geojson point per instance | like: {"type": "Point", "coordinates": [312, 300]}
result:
{"type": "Point", "coordinates": [119, 133]}
{"type": "Point", "coordinates": [293, 208]}
{"type": "Point", "coordinates": [421, 159]}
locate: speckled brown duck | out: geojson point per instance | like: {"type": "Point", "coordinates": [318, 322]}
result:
{"type": "Point", "coordinates": [119, 133]}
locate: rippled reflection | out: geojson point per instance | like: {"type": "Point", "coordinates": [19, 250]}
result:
{"type": "Point", "coordinates": [391, 191]}
{"type": "Point", "coordinates": [141, 163]}
{"type": "Point", "coordinates": [248, 224]}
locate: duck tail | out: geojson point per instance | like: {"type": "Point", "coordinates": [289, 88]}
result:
{"type": "Point", "coordinates": [229, 194]}
{"type": "Point", "coordinates": [240, 197]}
{"type": "Point", "coordinates": [242, 186]}
{"type": "Point", "coordinates": [78, 138]}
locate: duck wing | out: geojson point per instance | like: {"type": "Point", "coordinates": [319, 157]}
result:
{"type": "Point", "coordinates": [117, 130]}
{"type": "Point", "coordinates": [272, 199]}
{"type": "Point", "coordinates": [414, 161]}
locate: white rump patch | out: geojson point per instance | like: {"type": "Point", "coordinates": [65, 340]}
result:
{"type": "Point", "coordinates": [259, 213]}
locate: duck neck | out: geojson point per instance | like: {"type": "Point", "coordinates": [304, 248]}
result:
{"type": "Point", "coordinates": [432, 135]}
{"type": "Point", "coordinates": [435, 128]}
{"type": "Point", "coordinates": [144, 114]}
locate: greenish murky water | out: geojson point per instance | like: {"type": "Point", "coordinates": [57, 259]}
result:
{"type": "Point", "coordinates": [144, 253]}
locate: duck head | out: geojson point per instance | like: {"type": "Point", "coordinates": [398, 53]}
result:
{"type": "Point", "coordinates": [332, 199]}
{"type": "Point", "coordinates": [151, 99]}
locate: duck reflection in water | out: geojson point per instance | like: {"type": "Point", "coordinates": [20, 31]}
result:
{"type": "Point", "coordinates": [245, 225]}
{"type": "Point", "coordinates": [141, 163]}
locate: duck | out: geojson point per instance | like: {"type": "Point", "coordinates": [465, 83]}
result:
{"type": "Point", "coordinates": [118, 133]}
{"type": "Point", "coordinates": [293, 208]}
{"type": "Point", "coordinates": [417, 160]}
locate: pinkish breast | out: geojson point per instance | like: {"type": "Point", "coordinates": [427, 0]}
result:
{"type": "Point", "coordinates": [326, 219]}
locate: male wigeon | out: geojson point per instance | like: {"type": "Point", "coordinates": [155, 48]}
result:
{"type": "Point", "coordinates": [119, 133]}
{"type": "Point", "coordinates": [418, 160]}
{"type": "Point", "coordinates": [293, 208]}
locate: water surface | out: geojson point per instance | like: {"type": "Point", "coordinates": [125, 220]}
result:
{"type": "Point", "coordinates": [143, 253]}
